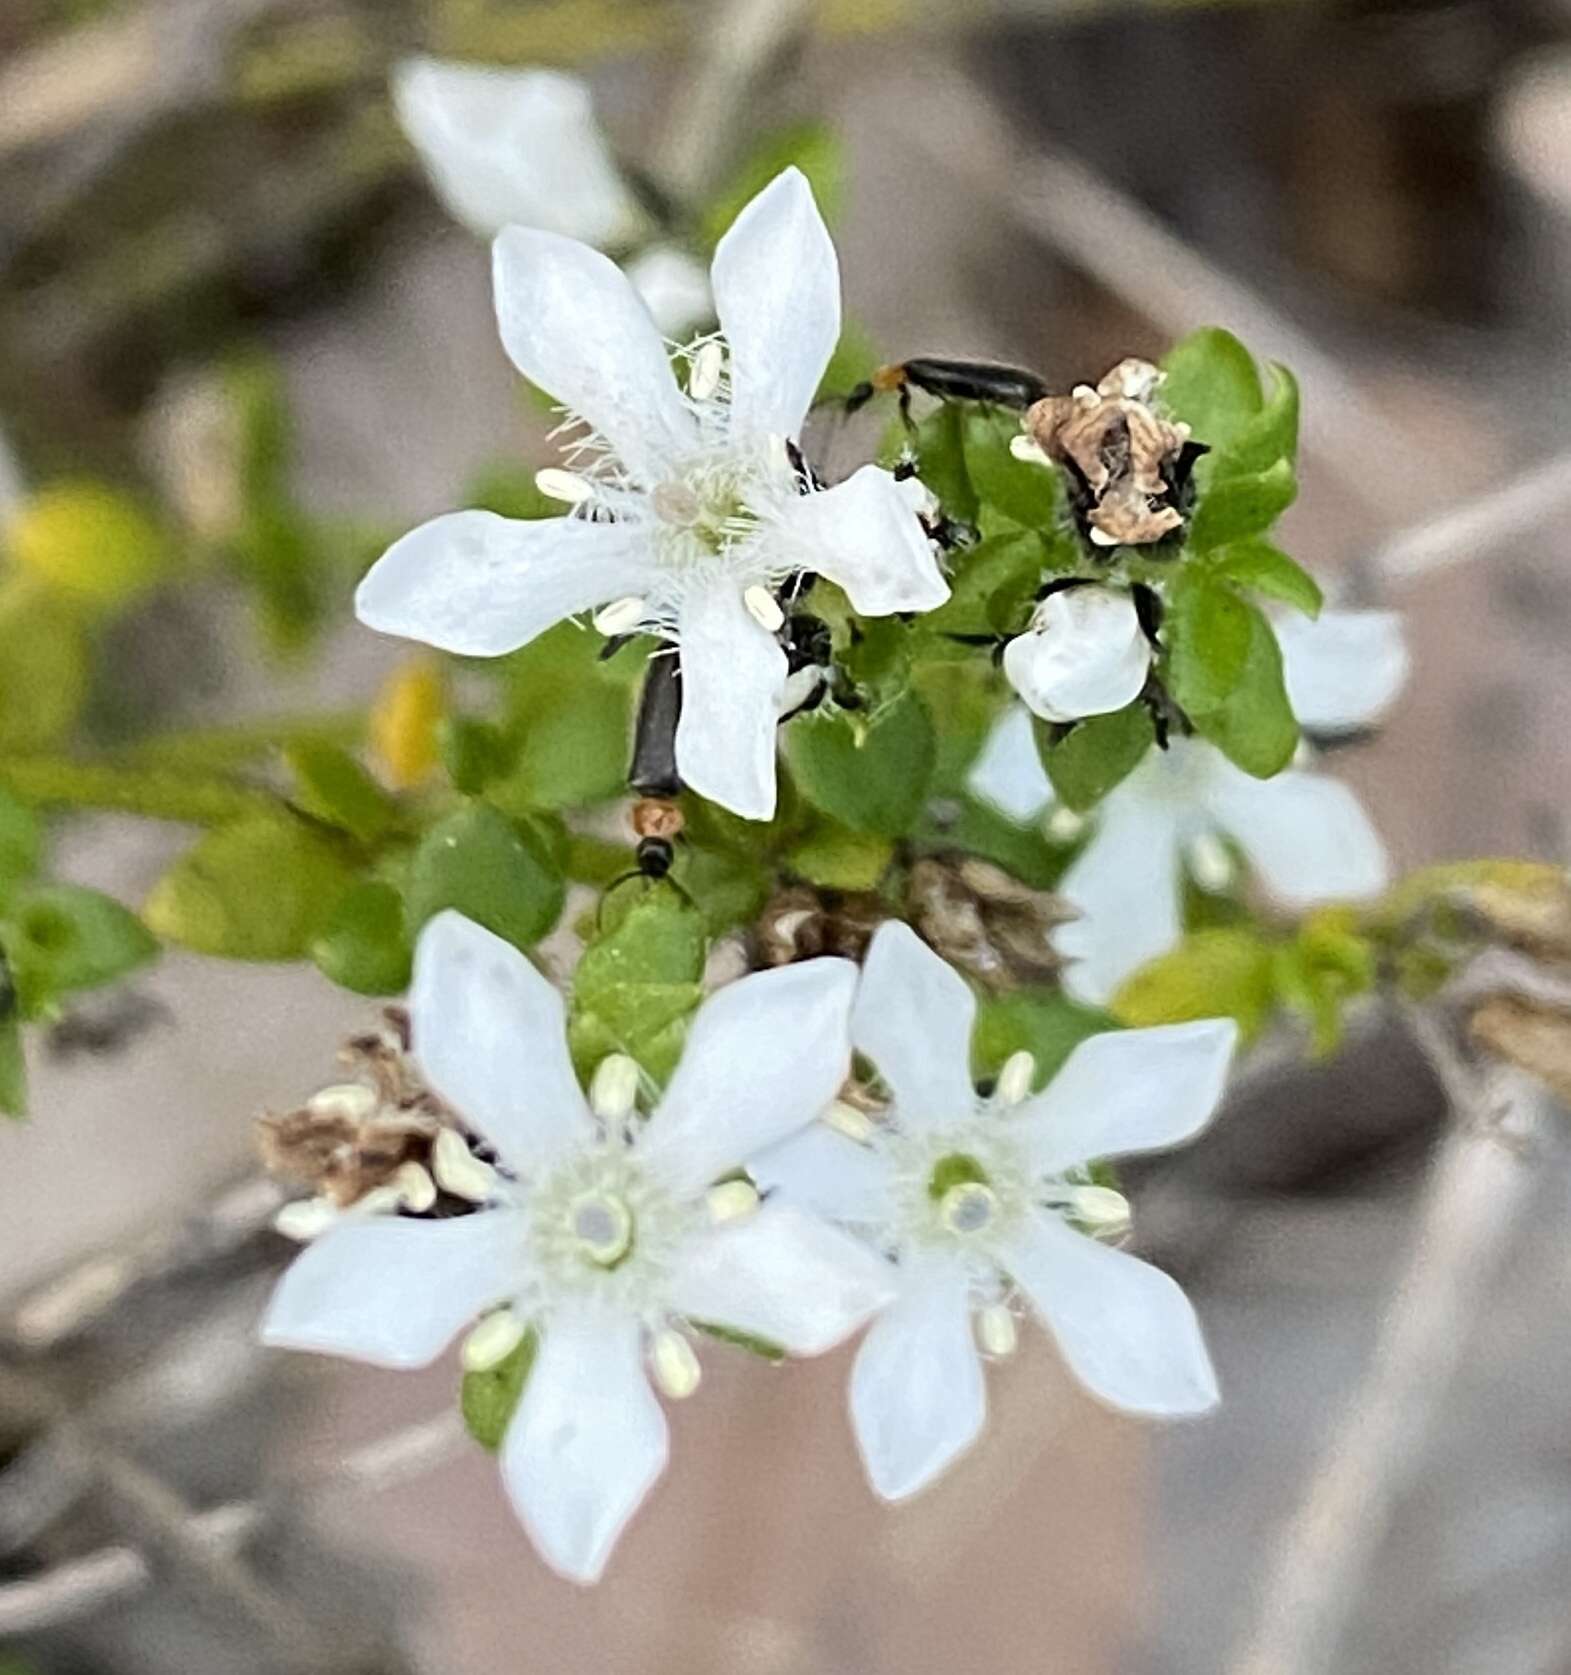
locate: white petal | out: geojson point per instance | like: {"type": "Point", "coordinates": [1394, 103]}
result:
{"type": "Point", "coordinates": [1345, 669]}
{"type": "Point", "coordinates": [490, 1035]}
{"type": "Point", "coordinates": [587, 1443]}
{"type": "Point", "coordinates": [572, 323]}
{"type": "Point", "coordinates": [481, 585]}
{"type": "Point", "coordinates": [1125, 1328]}
{"type": "Point", "coordinates": [863, 536]}
{"type": "Point", "coordinates": [783, 1275]}
{"type": "Point", "coordinates": [764, 1056]}
{"type": "Point", "coordinates": [1132, 1090]}
{"type": "Point", "coordinates": [913, 1019]}
{"type": "Point", "coordinates": [395, 1292]}
{"type": "Point", "coordinates": [918, 1398]}
{"type": "Point", "coordinates": [674, 287]}
{"type": "Point", "coordinates": [1085, 653]}
{"type": "Point", "coordinates": [1008, 773]}
{"type": "Point", "coordinates": [826, 1173]}
{"type": "Point", "coordinates": [1125, 886]}
{"type": "Point", "coordinates": [777, 292]}
{"type": "Point", "coordinates": [513, 147]}
{"type": "Point", "coordinates": [733, 691]}
{"type": "Point", "coordinates": [1306, 835]}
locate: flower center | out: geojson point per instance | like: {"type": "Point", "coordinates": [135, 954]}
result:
{"type": "Point", "coordinates": [969, 1207]}
{"type": "Point", "coordinates": [603, 1226]}
{"type": "Point", "coordinates": [702, 512]}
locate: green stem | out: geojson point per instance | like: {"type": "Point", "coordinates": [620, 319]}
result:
{"type": "Point", "coordinates": [155, 793]}
{"type": "Point", "coordinates": [235, 743]}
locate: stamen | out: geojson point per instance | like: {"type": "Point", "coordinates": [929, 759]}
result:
{"type": "Point", "coordinates": [1101, 1209]}
{"type": "Point", "coordinates": [996, 1331]}
{"type": "Point", "coordinates": [621, 616]}
{"type": "Point", "coordinates": [674, 1365]}
{"type": "Point", "coordinates": [847, 1120]}
{"type": "Point", "coordinates": [613, 1089]}
{"type": "Point", "coordinates": [1101, 538]}
{"type": "Point", "coordinates": [1064, 825]}
{"type": "Point", "coordinates": [458, 1170]}
{"type": "Point", "coordinates": [764, 608]}
{"type": "Point", "coordinates": [731, 1201]}
{"type": "Point", "coordinates": [1016, 1077]}
{"type": "Point", "coordinates": [708, 363]}
{"type": "Point", "coordinates": [415, 1188]}
{"type": "Point", "coordinates": [302, 1219]}
{"type": "Point", "coordinates": [349, 1101]}
{"type": "Point", "coordinates": [603, 1227]}
{"type": "Point", "coordinates": [557, 484]}
{"type": "Point", "coordinates": [492, 1341]}
{"type": "Point", "coordinates": [1029, 451]}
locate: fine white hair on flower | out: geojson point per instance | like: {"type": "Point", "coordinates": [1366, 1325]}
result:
{"type": "Point", "coordinates": [1306, 836]}
{"type": "Point", "coordinates": [688, 512]}
{"type": "Point", "coordinates": [598, 1235]}
{"type": "Point", "coordinates": [1084, 653]}
{"type": "Point", "coordinates": [988, 1207]}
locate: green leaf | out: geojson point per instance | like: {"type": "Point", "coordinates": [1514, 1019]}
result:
{"type": "Point", "coordinates": [876, 654]}
{"type": "Point", "coordinates": [973, 828]}
{"type": "Point", "coordinates": [855, 358]}
{"type": "Point", "coordinates": [764, 1348]}
{"type": "Point", "coordinates": [21, 843]}
{"type": "Point", "coordinates": [1237, 507]}
{"type": "Point", "coordinates": [475, 753]}
{"type": "Point", "coordinates": [13, 1068]}
{"type": "Point", "coordinates": [1271, 435]}
{"type": "Point", "coordinates": [497, 873]}
{"type": "Point", "coordinates": [1212, 385]}
{"type": "Point", "coordinates": [1255, 727]}
{"type": "Point", "coordinates": [63, 937]}
{"type": "Point", "coordinates": [1042, 1022]}
{"type": "Point", "coordinates": [364, 946]}
{"type": "Point", "coordinates": [511, 492]}
{"type": "Point", "coordinates": [92, 543]}
{"type": "Point", "coordinates": [1031, 495]}
{"type": "Point", "coordinates": [331, 785]}
{"type": "Point", "coordinates": [992, 588]}
{"type": "Point", "coordinates": [488, 1400]}
{"type": "Point", "coordinates": [808, 146]}
{"type": "Point", "coordinates": [1088, 760]}
{"type": "Point", "coordinates": [44, 666]}
{"type": "Point", "coordinates": [1208, 632]}
{"type": "Point", "coordinates": [639, 981]}
{"type": "Point", "coordinates": [1211, 974]}
{"type": "Point", "coordinates": [968, 696]}
{"type": "Point", "coordinates": [261, 888]}
{"type": "Point", "coordinates": [873, 776]}
{"type": "Point", "coordinates": [728, 888]}
{"type": "Point", "coordinates": [939, 442]}
{"type": "Point", "coordinates": [837, 858]}
{"type": "Point", "coordinates": [1256, 564]}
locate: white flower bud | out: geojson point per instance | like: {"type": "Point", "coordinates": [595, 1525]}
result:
{"type": "Point", "coordinates": [613, 1089]}
{"type": "Point", "coordinates": [731, 1201]}
{"type": "Point", "coordinates": [674, 1365]}
{"type": "Point", "coordinates": [1014, 1080]}
{"type": "Point", "coordinates": [492, 1341]}
{"type": "Point", "coordinates": [996, 1331]}
{"type": "Point", "coordinates": [674, 287]}
{"type": "Point", "coordinates": [1084, 653]}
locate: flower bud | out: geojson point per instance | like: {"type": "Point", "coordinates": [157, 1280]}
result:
{"type": "Point", "coordinates": [1084, 653]}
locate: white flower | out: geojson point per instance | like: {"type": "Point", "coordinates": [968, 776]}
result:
{"type": "Point", "coordinates": [689, 512]}
{"type": "Point", "coordinates": [599, 1238]}
{"type": "Point", "coordinates": [1306, 836]}
{"type": "Point", "coordinates": [1084, 653]}
{"type": "Point", "coordinates": [674, 286]}
{"type": "Point", "coordinates": [514, 148]}
{"type": "Point", "coordinates": [981, 1201]}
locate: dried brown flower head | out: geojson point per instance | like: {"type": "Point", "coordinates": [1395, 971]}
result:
{"type": "Point", "coordinates": [1529, 1033]}
{"type": "Point", "coordinates": [1124, 454]}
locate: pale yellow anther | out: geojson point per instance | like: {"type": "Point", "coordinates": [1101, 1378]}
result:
{"type": "Point", "coordinates": [1064, 825]}
{"type": "Point", "coordinates": [458, 1170]}
{"type": "Point", "coordinates": [996, 1331]}
{"type": "Point", "coordinates": [1101, 1209]}
{"type": "Point", "coordinates": [621, 616]}
{"type": "Point", "coordinates": [763, 608]}
{"type": "Point", "coordinates": [557, 484]}
{"type": "Point", "coordinates": [1016, 1077]}
{"type": "Point", "coordinates": [847, 1120]}
{"type": "Point", "coordinates": [674, 1365]}
{"type": "Point", "coordinates": [708, 364]}
{"type": "Point", "coordinates": [415, 1188]}
{"type": "Point", "coordinates": [1028, 450]}
{"type": "Point", "coordinates": [613, 1089]}
{"type": "Point", "coordinates": [347, 1101]}
{"type": "Point", "coordinates": [1101, 538]}
{"type": "Point", "coordinates": [492, 1341]}
{"type": "Point", "coordinates": [385, 1200]}
{"type": "Point", "coordinates": [1085, 395]}
{"type": "Point", "coordinates": [302, 1219]}
{"type": "Point", "coordinates": [731, 1201]}
{"type": "Point", "coordinates": [1210, 862]}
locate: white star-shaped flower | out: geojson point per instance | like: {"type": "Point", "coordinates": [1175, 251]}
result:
{"type": "Point", "coordinates": [1084, 653]}
{"type": "Point", "coordinates": [689, 510]}
{"type": "Point", "coordinates": [598, 1230]}
{"type": "Point", "coordinates": [983, 1201]}
{"type": "Point", "coordinates": [1306, 836]}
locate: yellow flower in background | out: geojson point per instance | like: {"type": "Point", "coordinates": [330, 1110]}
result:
{"type": "Point", "coordinates": [404, 721]}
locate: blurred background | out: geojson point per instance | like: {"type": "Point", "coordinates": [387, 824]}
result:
{"type": "Point", "coordinates": [1379, 194]}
